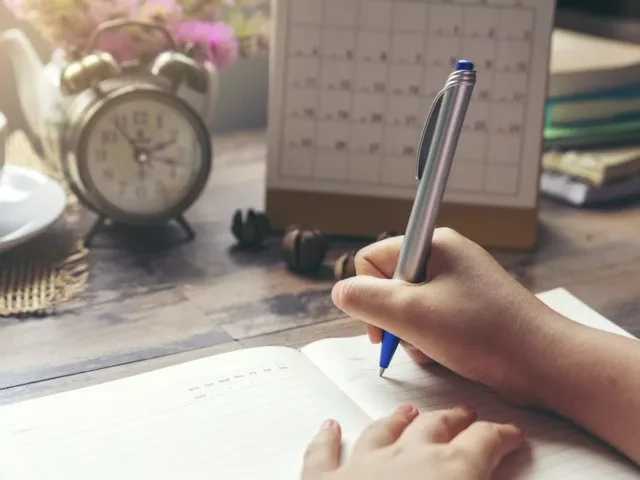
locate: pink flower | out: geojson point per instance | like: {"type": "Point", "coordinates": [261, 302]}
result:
{"type": "Point", "coordinates": [15, 6]}
{"type": "Point", "coordinates": [69, 24]}
{"type": "Point", "coordinates": [213, 41]}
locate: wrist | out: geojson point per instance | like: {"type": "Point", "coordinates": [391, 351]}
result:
{"type": "Point", "coordinates": [537, 362]}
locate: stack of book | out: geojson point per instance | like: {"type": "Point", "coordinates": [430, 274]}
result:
{"type": "Point", "coordinates": [594, 92]}
{"type": "Point", "coordinates": [591, 178]}
{"type": "Point", "coordinates": [592, 122]}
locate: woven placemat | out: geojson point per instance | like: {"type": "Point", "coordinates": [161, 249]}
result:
{"type": "Point", "coordinates": [51, 269]}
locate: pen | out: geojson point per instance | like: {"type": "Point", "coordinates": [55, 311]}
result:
{"type": "Point", "coordinates": [437, 148]}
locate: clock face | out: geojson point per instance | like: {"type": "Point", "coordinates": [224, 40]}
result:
{"type": "Point", "coordinates": [142, 154]}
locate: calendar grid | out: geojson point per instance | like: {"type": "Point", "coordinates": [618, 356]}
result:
{"type": "Point", "coordinates": [354, 71]}
{"type": "Point", "coordinates": [493, 85]}
{"type": "Point", "coordinates": [281, 132]}
{"type": "Point", "coordinates": [526, 119]}
{"type": "Point", "coordinates": [314, 165]}
{"type": "Point", "coordinates": [364, 130]}
{"type": "Point", "coordinates": [383, 159]}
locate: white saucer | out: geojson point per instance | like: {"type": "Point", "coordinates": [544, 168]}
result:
{"type": "Point", "coordinates": [29, 203]}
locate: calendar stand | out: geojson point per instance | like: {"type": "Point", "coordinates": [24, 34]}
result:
{"type": "Point", "coordinates": [352, 82]}
{"type": "Point", "coordinates": [351, 216]}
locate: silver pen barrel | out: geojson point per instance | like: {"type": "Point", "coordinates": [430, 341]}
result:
{"type": "Point", "coordinates": [449, 108]}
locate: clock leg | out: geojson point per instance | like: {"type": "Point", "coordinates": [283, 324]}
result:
{"type": "Point", "coordinates": [186, 227]}
{"type": "Point", "coordinates": [93, 230]}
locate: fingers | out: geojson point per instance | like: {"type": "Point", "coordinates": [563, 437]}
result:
{"type": "Point", "coordinates": [375, 337]}
{"type": "Point", "coordinates": [415, 354]}
{"type": "Point", "coordinates": [385, 431]}
{"type": "Point", "coordinates": [375, 334]}
{"type": "Point", "coordinates": [438, 427]}
{"type": "Point", "coordinates": [488, 443]}
{"type": "Point", "coordinates": [379, 259]}
{"type": "Point", "coordinates": [375, 301]}
{"type": "Point", "coordinates": [323, 453]}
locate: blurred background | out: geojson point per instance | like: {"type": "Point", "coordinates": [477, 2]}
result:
{"type": "Point", "coordinates": [244, 84]}
{"type": "Point", "coordinates": [612, 18]}
{"type": "Point", "coordinates": [243, 100]}
{"type": "Point", "coordinates": [593, 93]}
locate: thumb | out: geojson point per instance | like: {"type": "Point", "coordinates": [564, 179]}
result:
{"type": "Point", "coordinates": [376, 301]}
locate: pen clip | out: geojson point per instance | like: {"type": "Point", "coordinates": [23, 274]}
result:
{"type": "Point", "coordinates": [427, 134]}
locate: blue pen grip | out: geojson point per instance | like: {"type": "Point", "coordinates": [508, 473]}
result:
{"type": "Point", "coordinates": [389, 345]}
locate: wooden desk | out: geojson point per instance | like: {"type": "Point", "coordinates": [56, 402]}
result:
{"type": "Point", "coordinates": [154, 301]}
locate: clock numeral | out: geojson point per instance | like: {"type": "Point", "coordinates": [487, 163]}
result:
{"type": "Point", "coordinates": [160, 121]}
{"type": "Point", "coordinates": [174, 134]}
{"type": "Point", "coordinates": [122, 187]}
{"type": "Point", "coordinates": [109, 136]}
{"type": "Point", "coordinates": [101, 155]}
{"type": "Point", "coordinates": [108, 174]}
{"type": "Point", "coordinates": [121, 121]}
{"type": "Point", "coordinates": [141, 192]}
{"type": "Point", "coordinates": [140, 118]}
{"type": "Point", "coordinates": [173, 172]}
{"type": "Point", "coordinates": [161, 190]}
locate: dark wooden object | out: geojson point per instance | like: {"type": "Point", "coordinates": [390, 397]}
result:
{"type": "Point", "coordinates": [155, 299]}
{"type": "Point", "coordinates": [349, 215]}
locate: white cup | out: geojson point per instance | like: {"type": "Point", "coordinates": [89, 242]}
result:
{"type": "Point", "coordinates": [3, 141]}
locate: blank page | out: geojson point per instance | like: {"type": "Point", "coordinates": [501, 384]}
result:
{"type": "Point", "coordinates": [245, 414]}
{"type": "Point", "coordinates": [555, 448]}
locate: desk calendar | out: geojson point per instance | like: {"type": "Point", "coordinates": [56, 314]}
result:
{"type": "Point", "coordinates": [352, 82]}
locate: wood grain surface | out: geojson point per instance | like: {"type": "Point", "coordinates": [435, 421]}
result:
{"type": "Point", "coordinates": [156, 300]}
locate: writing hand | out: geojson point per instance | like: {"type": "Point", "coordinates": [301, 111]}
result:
{"type": "Point", "coordinates": [488, 338]}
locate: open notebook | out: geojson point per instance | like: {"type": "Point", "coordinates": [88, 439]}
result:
{"type": "Point", "coordinates": [250, 414]}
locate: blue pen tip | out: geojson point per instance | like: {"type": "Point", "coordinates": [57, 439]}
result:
{"type": "Point", "coordinates": [464, 65]}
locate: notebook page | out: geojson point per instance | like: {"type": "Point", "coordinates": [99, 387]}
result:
{"type": "Point", "coordinates": [555, 448]}
{"type": "Point", "coordinates": [245, 414]}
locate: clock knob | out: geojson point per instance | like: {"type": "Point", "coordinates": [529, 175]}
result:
{"type": "Point", "coordinates": [88, 72]}
{"type": "Point", "coordinates": [177, 67]}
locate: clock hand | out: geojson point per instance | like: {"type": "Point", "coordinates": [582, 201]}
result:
{"type": "Point", "coordinates": [169, 161]}
{"type": "Point", "coordinates": [162, 145]}
{"type": "Point", "coordinates": [124, 134]}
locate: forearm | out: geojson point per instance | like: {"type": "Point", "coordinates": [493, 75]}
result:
{"type": "Point", "coordinates": [593, 378]}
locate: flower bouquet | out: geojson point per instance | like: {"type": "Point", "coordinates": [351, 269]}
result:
{"type": "Point", "coordinates": [215, 30]}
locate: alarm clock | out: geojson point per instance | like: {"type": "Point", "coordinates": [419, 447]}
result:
{"type": "Point", "coordinates": [134, 151]}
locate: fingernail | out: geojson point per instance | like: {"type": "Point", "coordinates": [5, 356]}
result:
{"type": "Point", "coordinates": [336, 292]}
{"type": "Point", "coordinates": [328, 425]}
{"type": "Point", "coordinates": [470, 411]}
{"type": "Point", "coordinates": [407, 409]}
{"type": "Point", "coordinates": [513, 431]}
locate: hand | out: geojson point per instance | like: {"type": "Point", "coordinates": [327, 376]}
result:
{"type": "Point", "coordinates": [470, 315]}
{"type": "Point", "coordinates": [162, 145]}
{"type": "Point", "coordinates": [167, 161]}
{"type": "Point", "coordinates": [128, 138]}
{"type": "Point", "coordinates": [444, 445]}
